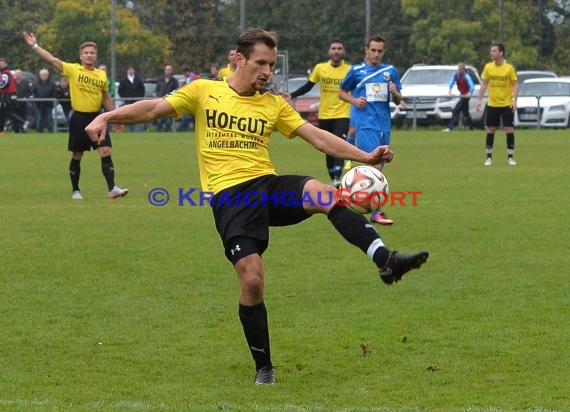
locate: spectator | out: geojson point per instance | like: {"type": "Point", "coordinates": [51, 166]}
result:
{"type": "Point", "coordinates": [165, 85]}
{"type": "Point", "coordinates": [44, 88]}
{"type": "Point", "coordinates": [132, 88]}
{"type": "Point", "coordinates": [20, 113]}
{"type": "Point", "coordinates": [466, 88]}
{"type": "Point", "coordinates": [7, 93]}
{"type": "Point", "coordinates": [186, 121]}
{"type": "Point", "coordinates": [63, 95]}
{"type": "Point", "coordinates": [214, 70]}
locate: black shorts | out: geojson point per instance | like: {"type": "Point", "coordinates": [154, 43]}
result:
{"type": "Point", "coordinates": [496, 114]}
{"type": "Point", "coordinates": [244, 212]}
{"type": "Point", "coordinates": [338, 127]}
{"type": "Point", "coordinates": [79, 141]}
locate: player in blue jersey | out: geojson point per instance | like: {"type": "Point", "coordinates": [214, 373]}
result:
{"type": "Point", "coordinates": [369, 86]}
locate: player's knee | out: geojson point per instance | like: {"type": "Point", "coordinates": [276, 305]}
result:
{"type": "Point", "coordinates": [251, 282]}
{"type": "Point", "coordinates": [319, 197]}
{"type": "Point", "coordinates": [105, 151]}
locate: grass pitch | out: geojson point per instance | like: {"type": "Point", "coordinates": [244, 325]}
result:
{"type": "Point", "coordinates": [120, 305]}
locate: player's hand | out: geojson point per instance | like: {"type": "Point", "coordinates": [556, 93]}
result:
{"type": "Point", "coordinates": [479, 105]}
{"type": "Point", "coordinates": [97, 129]}
{"type": "Point", "coordinates": [381, 154]}
{"type": "Point", "coordinates": [360, 102]}
{"type": "Point", "coordinates": [118, 128]}
{"type": "Point", "coordinates": [30, 38]}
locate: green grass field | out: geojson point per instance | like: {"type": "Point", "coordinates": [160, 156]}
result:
{"type": "Point", "coordinates": [119, 305]}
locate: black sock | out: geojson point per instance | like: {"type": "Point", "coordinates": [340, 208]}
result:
{"type": "Point", "coordinates": [256, 330]}
{"type": "Point", "coordinates": [330, 165]}
{"type": "Point", "coordinates": [511, 141]}
{"type": "Point", "coordinates": [108, 171]}
{"type": "Point", "coordinates": [359, 232]}
{"type": "Point", "coordinates": [490, 140]}
{"type": "Point", "coordinates": [74, 172]}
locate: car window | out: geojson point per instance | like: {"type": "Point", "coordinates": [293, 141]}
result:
{"type": "Point", "coordinates": [431, 76]}
{"type": "Point", "coordinates": [545, 89]}
{"type": "Point", "coordinates": [522, 76]}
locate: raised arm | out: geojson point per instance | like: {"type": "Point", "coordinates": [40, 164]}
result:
{"type": "Point", "coordinates": [30, 38]}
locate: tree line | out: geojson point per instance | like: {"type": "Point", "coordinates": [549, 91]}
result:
{"type": "Point", "coordinates": [194, 33]}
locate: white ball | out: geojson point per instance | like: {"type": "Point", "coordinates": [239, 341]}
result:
{"type": "Point", "coordinates": [364, 189]}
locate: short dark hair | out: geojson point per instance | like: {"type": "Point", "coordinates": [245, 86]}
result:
{"type": "Point", "coordinates": [87, 44]}
{"type": "Point", "coordinates": [499, 46]}
{"type": "Point", "coordinates": [249, 38]}
{"type": "Point", "coordinates": [337, 41]}
{"type": "Point", "coordinates": [378, 39]}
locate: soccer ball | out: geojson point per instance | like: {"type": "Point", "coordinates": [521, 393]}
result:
{"type": "Point", "coordinates": [364, 189]}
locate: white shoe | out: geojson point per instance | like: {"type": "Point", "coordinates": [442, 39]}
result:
{"type": "Point", "coordinates": [447, 129]}
{"type": "Point", "coordinates": [117, 192]}
{"type": "Point", "coordinates": [77, 195]}
{"type": "Point", "coordinates": [488, 161]}
{"type": "Point", "coordinates": [512, 161]}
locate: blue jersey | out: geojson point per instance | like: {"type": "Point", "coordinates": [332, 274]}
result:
{"type": "Point", "coordinates": [372, 82]}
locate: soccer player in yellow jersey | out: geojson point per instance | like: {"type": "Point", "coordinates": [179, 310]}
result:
{"type": "Point", "coordinates": [231, 67]}
{"type": "Point", "coordinates": [235, 119]}
{"type": "Point", "coordinates": [334, 113]}
{"type": "Point", "coordinates": [501, 79]}
{"type": "Point", "coordinates": [88, 89]}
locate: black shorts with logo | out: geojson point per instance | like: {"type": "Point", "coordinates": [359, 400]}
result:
{"type": "Point", "coordinates": [496, 114]}
{"type": "Point", "coordinates": [243, 213]}
{"type": "Point", "coordinates": [79, 141]}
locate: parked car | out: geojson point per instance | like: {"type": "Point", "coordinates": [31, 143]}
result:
{"type": "Point", "coordinates": [547, 99]}
{"type": "Point", "coordinates": [533, 74]}
{"type": "Point", "coordinates": [425, 91]}
{"type": "Point", "coordinates": [308, 104]}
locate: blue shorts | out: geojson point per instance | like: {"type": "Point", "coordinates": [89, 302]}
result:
{"type": "Point", "coordinates": [370, 139]}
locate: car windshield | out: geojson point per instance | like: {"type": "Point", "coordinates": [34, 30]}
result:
{"type": "Point", "coordinates": [431, 76]}
{"type": "Point", "coordinates": [545, 89]}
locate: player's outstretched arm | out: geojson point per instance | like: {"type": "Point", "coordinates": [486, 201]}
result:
{"type": "Point", "coordinates": [143, 111]}
{"type": "Point", "coordinates": [31, 40]}
{"type": "Point", "coordinates": [332, 145]}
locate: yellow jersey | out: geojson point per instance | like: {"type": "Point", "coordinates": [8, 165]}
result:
{"type": "Point", "coordinates": [233, 131]}
{"type": "Point", "coordinates": [86, 87]}
{"type": "Point", "coordinates": [501, 80]}
{"type": "Point", "coordinates": [330, 77]}
{"type": "Point", "coordinates": [226, 71]}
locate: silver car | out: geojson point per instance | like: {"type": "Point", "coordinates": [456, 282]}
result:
{"type": "Point", "coordinates": [547, 99]}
